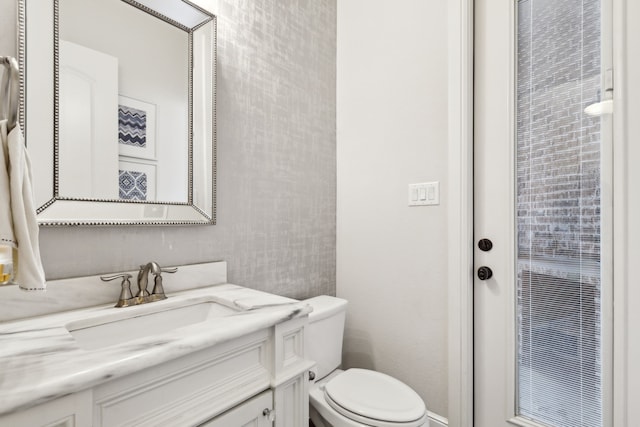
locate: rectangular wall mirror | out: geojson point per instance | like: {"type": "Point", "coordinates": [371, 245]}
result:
{"type": "Point", "coordinates": [118, 109]}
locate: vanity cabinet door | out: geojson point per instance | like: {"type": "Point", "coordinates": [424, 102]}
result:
{"type": "Point", "coordinates": [68, 411]}
{"type": "Point", "coordinates": [252, 413]}
{"type": "Point", "coordinates": [292, 402]}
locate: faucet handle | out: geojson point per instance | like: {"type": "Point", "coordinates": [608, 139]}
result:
{"type": "Point", "coordinates": [158, 290]}
{"type": "Point", "coordinates": [125, 276]}
{"type": "Point", "coordinates": [125, 292]}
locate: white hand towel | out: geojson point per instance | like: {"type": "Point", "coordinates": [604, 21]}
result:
{"type": "Point", "coordinates": [6, 222]}
{"type": "Point", "coordinates": [20, 229]}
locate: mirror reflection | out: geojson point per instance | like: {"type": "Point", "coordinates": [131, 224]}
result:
{"type": "Point", "coordinates": [123, 103]}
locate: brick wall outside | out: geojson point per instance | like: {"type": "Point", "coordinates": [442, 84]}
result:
{"type": "Point", "coordinates": [558, 145]}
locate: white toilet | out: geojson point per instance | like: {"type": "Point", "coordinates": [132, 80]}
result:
{"type": "Point", "coordinates": [355, 397]}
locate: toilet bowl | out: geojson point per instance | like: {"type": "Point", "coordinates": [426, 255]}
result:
{"type": "Point", "coordinates": [355, 397]}
{"type": "Point", "coordinates": [374, 399]}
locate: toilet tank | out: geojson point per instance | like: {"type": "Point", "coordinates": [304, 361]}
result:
{"type": "Point", "coordinates": [325, 332]}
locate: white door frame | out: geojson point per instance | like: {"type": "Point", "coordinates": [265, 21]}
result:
{"type": "Point", "coordinates": [621, 201]}
{"type": "Point", "coordinates": [460, 225]}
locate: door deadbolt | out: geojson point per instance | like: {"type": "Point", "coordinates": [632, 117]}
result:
{"type": "Point", "coordinates": [485, 245]}
{"type": "Point", "coordinates": [484, 273]}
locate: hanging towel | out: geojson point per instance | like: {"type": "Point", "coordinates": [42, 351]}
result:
{"type": "Point", "coordinates": [6, 222]}
{"type": "Point", "coordinates": [18, 225]}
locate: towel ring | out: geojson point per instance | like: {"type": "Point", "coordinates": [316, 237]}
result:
{"type": "Point", "coordinates": [10, 87]}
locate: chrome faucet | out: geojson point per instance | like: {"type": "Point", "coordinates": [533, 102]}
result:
{"type": "Point", "coordinates": [143, 278]}
{"type": "Point", "coordinates": [143, 296]}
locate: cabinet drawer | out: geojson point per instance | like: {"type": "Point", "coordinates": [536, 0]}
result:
{"type": "Point", "coordinates": [188, 390]}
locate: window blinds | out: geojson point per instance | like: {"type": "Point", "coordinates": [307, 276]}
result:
{"type": "Point", "coordinates": [559, 366]}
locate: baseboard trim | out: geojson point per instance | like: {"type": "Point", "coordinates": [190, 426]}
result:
{"type": "Point", "coordinates": [436, 420]}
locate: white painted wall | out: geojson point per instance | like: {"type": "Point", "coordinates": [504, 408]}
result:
{"type": "Point", "coordinates": [392, 131]}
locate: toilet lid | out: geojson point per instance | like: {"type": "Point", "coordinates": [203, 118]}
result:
{"type": "Point", "coordinates": [375, 396]}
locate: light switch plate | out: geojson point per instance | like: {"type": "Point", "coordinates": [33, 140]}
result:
{"type": "Point", "coordinates": [424, 194]}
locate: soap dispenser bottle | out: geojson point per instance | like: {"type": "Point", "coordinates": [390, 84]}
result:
{"type": "Point", "coordinates": [6, 264]}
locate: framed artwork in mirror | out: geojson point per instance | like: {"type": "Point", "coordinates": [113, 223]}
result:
{"type": "Point", "coordinates": [136, 128]}
{"type": "Point", "coordinates": [136, 180]}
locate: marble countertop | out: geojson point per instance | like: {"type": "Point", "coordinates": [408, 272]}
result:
{"type": "Point", "coordinates": [41, 361]}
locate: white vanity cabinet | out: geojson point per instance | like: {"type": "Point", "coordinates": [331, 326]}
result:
{"type": "Point", "coordinates": [68, 411]}
{"type": "Point", "coordinates": [202, 386]}
{"type": "Point", "coordinates": [189, 390]}
{"type": "Point", "coordinates": [257, 379]}
{"type": "Point", "coordinates": [213, 355]}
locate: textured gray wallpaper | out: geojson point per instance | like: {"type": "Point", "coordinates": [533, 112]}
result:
{"type": "Point", "coordinates": [276, 160]}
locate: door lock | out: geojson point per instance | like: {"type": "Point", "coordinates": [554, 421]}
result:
{"type": "Point", "coordinates": [485, 245]}
{"type": "Point", "coordinates": [484, 273]}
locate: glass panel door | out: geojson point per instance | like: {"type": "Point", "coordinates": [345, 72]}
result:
{"type": "Point", "coordinates": [558, 212]}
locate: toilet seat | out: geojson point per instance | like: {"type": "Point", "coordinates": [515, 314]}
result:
{"type": "Point", "coordinates": [374, 399]}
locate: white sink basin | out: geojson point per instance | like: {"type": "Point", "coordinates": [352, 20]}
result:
{"type": "Point", "coordinates": [128, 324]}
